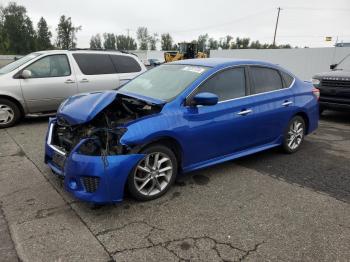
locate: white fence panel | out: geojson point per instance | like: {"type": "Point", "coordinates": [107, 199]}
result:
{"type": "Point", "coordinates": [303, 62]}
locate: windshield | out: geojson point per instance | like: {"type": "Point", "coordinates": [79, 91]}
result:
{"type": "Point", "coordinates": [164, 82]}
{"type": "Point", "coordinates": [344, 64]}
{"type": "Point", "coordinates": [12, 66]}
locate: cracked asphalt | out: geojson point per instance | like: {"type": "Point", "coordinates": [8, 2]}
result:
{"type": "Point", "coordinates": [266, 207]}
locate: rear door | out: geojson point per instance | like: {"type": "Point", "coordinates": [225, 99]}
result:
{"type": "Point", "coordinates": [126, 66]}
{"type": "Point", "coordinates": [95, 72]}
{"type": "Point", "coordinates": [51, 82]}
{"type": "Point", "coordinates": [273, 103]}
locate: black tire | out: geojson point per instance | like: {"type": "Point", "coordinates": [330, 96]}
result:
{"type": "Point", "coordinates": [288, 146]}
{"type": "Point", "coordinates": [153, 149]}
{"type": "Point", "coordinates": [13, 108]}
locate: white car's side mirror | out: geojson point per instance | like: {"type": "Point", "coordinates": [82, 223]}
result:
{"type": "Point", "coordinates": [26, 74]}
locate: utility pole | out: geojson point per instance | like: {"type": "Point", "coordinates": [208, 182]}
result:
{"type": "Point", "coordinates": [278, 16]}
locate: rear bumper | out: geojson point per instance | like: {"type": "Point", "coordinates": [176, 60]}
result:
{"type": "Point", "coordinates": [91, 178]}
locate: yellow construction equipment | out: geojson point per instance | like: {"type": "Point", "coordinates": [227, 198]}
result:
{"type": "Point", "coordinates": [186, 51]}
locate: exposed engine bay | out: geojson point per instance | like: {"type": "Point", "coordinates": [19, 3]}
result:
{"type": "Point", "coordinates": [105, 129]}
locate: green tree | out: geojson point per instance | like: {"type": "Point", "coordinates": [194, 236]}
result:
{"type": "Point", "coordinates": [202, 42]}
{"type": "Point", "coordinates": [143, 37]}
{"type": "Point", "coordinates": [166, 42]}
{"type": "Point", "coordinates": [43, 40]}
{"type": "Point", "coordinates": [3, 36]}
{"type": "Point", "coordinates": [225, 43]}
{"type": "Point", "coordinates": [66, 33]}
{"type": "Point", "coordinates": [17, 30]}
{"type": "Point", "coordinates": [153, 40]}
{"type": "Point", "coordinates": [242, 43]}
{"type": "Point", "coordinates": [95, 42]}
{"type": "Point", "coordinates": [213, 44]}
{"type": "Point", "coordinates": [125, 43]}
{"type": "Point", "coordinates": [109, 41]}
{"type": "Point", "coordinates": [255, 45]}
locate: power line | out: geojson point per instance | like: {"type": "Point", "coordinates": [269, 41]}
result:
{"type": "Point", "coordinates": [222, 24]}
{"type": "Point", "coordinates": [316, 9]}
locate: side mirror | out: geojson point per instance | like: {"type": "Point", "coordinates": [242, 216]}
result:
{"type": "Point", "coordinates": [26, 74]}
{"type": "Point", "coordinates": [205, 99]}
{"type": "Point", "coordinates": [332, 66]}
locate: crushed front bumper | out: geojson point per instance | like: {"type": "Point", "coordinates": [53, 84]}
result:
{"type": "Point", "coordinates": [90, 178]}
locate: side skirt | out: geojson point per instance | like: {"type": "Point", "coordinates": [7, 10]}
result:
{"type": "Point", "coordinates": [235, 155]}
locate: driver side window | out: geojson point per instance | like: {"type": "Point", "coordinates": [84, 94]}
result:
{"type": "Point", "coordinates": [228, 84]}
{"type": "Point", "coordinates": [50, 66]}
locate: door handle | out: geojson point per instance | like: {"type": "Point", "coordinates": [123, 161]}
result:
{"type": "Point", "coordinates": [84, 80]}
{"type": "Point", "coordinates": [245, 112]}
{"type": "Point", "coordinates": [69, 81]}
{"type": "Point", "coordinates": [287, 103]}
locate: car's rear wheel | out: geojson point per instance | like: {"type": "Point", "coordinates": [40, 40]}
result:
{"type": "Point", "coordinates": [153, 174]}
{"type": "Point", "coordinates": [9, 113]}
{"type": "Point", "coordinates": [294, 135]}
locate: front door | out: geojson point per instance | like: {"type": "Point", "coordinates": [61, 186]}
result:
{"type": "Point", "coordinates": [224, 128]}
{"type": "Point", "coordinates": [51, 81]}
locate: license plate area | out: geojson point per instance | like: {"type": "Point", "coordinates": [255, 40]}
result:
{"type": "Point", "coordinates": [58, 160]}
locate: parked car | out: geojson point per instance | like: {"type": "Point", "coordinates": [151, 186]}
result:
{"type": "Point", "coordinates": [37, 83]}
{"type": "Point", "coordinates": [152, 62]}
{"type": "Point", "coordinates": [176, 118]}
{"type": "Point", "coordinates": [334, 86]}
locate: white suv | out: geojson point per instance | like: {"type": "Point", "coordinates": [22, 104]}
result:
{"type": "Point", "coordinates": [37, 83]}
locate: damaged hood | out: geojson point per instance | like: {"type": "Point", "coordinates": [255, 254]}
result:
{"type": "Point", "coordinates": [82, 108]}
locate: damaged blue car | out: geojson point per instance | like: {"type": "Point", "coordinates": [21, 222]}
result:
{"type": "Point", "coordinates": [174, 119]}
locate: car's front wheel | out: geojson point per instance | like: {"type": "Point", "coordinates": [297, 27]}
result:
{"type": "Point", "coordinates": [294, 135]}
{"type": "Point", "coordinates": [154, 173]}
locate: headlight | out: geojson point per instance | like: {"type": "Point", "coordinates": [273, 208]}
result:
{"type": "Point", "coordinates": [315, 81]}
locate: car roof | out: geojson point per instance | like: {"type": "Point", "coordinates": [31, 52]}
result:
{"type": "Point", "coordinates": [84, 51]}
{"type": "Point", "coordinates": [220, 62]}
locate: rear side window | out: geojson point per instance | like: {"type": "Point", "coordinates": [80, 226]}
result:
{"type": "Point", "coordinates": [288, 79]}
{"type": "Point", "coordinates": [265, 79]}
{"type": "Point", "coordinates": [125, 64]}
{"type": "Point", "coordinates": [226, 85]}
{"type": "Point", "coordinates": [95, 64]}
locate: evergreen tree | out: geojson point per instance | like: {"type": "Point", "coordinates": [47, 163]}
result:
{"type": "Point", "coordinates": [17, 30]}
{"type": "Point", "coordinates": [109, 41]}
{"type": "Point", "coordinates": [95, 42]}
{"type": "Point", "coordinates": [66, 33]}
{"type": "Point", "coordinates": [126, 43]}
{"type": "Point", "coordinates": [43, 40]}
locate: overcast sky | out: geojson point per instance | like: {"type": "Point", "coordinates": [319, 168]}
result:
{"type": "Point", "coordinates": [302, 23]}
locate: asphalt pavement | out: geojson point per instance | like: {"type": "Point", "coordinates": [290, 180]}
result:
{"type": "Point", "coordinates": [266, 207]}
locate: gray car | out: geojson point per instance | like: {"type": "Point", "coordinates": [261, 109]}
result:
{"type": "Point", "coordinates": [36, 84]}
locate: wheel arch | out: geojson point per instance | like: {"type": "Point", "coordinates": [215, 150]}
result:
{"type": "Point", "coordinates": [15, 101]}
{"type": "Point", "coordinates": [170, 142]}
{"type": "Point", "coordinates": [306, 120]}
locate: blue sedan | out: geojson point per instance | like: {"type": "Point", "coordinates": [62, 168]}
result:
{"type": "Point", "coordinates": [174, 119]}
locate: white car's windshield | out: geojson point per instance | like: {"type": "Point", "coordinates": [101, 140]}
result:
{"type": "Point", "coordinates": [344, 64]}
{"type": "Point", "coordinates": [164, 82]}
{"type": "Point", "coordinates": [12, 66]}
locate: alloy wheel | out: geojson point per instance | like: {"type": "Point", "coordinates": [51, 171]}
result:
{"type": "Point", "coordinates": [6, 114]}
{"type": "Point", "coordinates": [153, 173]}
{"type": "Point", "coordinates": [295, 134]}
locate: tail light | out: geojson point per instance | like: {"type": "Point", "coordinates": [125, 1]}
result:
{"type": "Point", "coordinates": [316, 92]}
